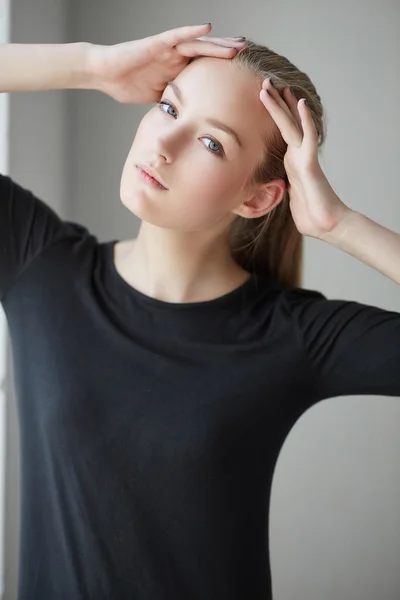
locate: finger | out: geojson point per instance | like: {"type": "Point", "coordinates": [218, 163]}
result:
{"type": "Point", "coordinates": [196, 48]}
{"type": "Point", "coordinates": [292, 101]}
{"type": "Point", "coordinates": [172, 37]}
{"type": "Point", "coordinates": [267, 85]}
{"type": "Point", "coordinates": [310, 131]}
{"type": "Point", "coordinates": [285, 123]}
{"type": "Point", "coordinates": [224, 41]}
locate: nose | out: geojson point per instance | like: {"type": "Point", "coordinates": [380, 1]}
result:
{"type": "Point", "coordinates": [168, 143]}
{"type": "Point", "coordinates": [161, 150]}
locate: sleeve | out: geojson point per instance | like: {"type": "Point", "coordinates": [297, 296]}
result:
{"type": "Point", "coordinates": [27, 227]}
{"type": "Point", "coordinates": [352, 348]}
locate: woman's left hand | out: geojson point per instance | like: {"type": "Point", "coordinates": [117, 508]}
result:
{"type": "Point", "coordinates": [315, 207]}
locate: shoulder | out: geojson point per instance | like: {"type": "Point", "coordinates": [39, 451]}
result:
{"type": "Point", "coordinates": [298, 300]}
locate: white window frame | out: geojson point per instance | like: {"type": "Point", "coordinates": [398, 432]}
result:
{"type": "Point", "coordinates": [5, 26]}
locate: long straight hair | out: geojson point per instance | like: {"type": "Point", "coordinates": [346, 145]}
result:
{"type": "Point", "coordinates": [273, 243]}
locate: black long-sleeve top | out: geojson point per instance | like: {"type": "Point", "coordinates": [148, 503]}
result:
{"type": "Point", "coordinates": [150, 430]}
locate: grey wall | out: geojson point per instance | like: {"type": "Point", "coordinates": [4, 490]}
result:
{"type": "Point", "coordinates": [39, 160]}
{"type": "Point", "coordinates": [334, 520]}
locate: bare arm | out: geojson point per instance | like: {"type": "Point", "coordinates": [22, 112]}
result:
{"type": "Point", "coordinates": [37, 67]}
{"type": "Point", "coordinates": [370, 242]}
{"type": "Point", "coordinates": [134, 72]}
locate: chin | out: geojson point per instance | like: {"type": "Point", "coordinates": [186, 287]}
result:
{"type": "Point", "coordinates": [138, 207]}
{"type": "Point", "coordinates": [142, 207]}
{"type": "Point", "coordinates": [133, 198]}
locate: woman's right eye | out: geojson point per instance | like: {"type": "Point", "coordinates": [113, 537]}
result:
{"type": "Point", "coordinates": [164, 103]}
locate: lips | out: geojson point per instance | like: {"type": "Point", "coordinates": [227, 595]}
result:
{"type": "Point", "coordinates": [153, 173]}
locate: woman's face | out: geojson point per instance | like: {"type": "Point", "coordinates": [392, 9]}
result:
{"type": "Point", "coordinates": [204, 167]}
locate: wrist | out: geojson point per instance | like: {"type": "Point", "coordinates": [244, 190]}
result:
{"type": "Point", "coordinates": [95, 62]}
{"type": "Point", "coordinates": [87, 76]}
{"type": "Point", "coordinates": [340, 233]}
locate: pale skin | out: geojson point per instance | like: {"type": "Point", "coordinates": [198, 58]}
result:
{"type": "Point", "coordinates": [181, 254]}
{"type": "Point", "coordinates": [317, 211]}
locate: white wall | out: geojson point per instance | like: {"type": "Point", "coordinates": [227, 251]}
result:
{"type": "Point", "coordinates": [334, 520]}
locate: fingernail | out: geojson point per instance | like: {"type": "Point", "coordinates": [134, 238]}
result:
{"type": "Point", "coordinates": [240, 37]}
{"type": "Point", "coordinates": [272, 83]}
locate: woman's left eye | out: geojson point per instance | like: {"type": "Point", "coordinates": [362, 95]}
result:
{"type": "Point", "coordinates": [220, 151]}
{"type": "Point", "coordinates": [217, 152]}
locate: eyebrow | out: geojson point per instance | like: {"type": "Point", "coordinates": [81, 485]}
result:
{"type": "Point", "coordinates": [213, 122]}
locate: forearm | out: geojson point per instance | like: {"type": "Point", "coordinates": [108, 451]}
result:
{"type": "Point", "coordinates": [37, 67]}
{"type": "Point", "coordinates": [370, 242]}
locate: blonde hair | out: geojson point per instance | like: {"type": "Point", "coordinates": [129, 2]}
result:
{"type": "Point", "coordinates": [272, 243]}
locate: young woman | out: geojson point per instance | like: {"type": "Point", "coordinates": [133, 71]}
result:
{"type": "Point", "coordinates": [158, 378]}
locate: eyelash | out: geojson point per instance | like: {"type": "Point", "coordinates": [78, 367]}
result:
{"type": "Point", "coordinates": [219, 154]}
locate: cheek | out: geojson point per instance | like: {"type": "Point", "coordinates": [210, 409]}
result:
{"type": "Point", "coordinates": [146, 130]}
{"type": "Point", "coordinates": [136, 150]}
{"type": "Point", "coordinates": [143, 133]}
{"type": "Point", "coordinates": [213, 180]}
{"type": "Point", "coordinates": [206, 196]}
{"type": "Point", "coordinates": [148, 124]}
{"type": "Point", "coordinates": [210, 180]}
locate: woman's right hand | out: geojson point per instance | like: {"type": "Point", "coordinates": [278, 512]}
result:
{"type": "Point", "coordinates": [137, 72]}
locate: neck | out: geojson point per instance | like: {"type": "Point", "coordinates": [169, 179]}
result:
{"type": "Point", "coordinates": [181, 266]}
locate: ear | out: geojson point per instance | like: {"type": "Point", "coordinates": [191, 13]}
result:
{"type": "Point", "coordinates": [262, 200]}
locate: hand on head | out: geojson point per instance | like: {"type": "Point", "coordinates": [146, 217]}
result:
{"type": "Point", "coordinates": [137, 72]}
